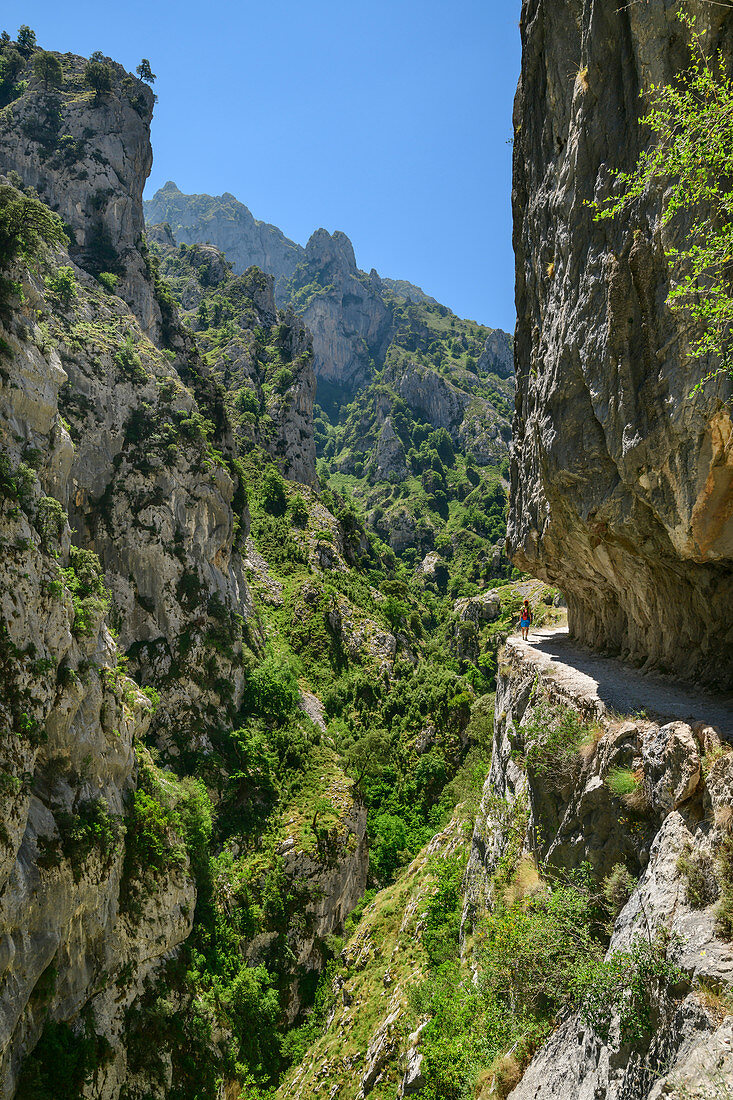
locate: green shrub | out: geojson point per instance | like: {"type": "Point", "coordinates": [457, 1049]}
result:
{"type": "Point", "coordinates": [167, 820]}
{"type": "Point", "coordinates": [150, 836]}
{"type": "Point", "coordinates": [444, 909]}
{"type": "Point", "coordinates": [698, 871]}
{"type": "Point", "coordinates": [83, 579]}
{"type": "Point", "coordinates": [625, 987]}
{"type": "Point", "coordinates": [62, 285]}
{"type": "Point", "coordinates": [128, 360]}
{"type": "Point", "coordinates": [298, 510]}
{"type": "Point", "coordinates": [26, 40]}
{"type": "Point", "coordinates": [109, 280]}
{"type": "Point", "coordinates": [16, 484]}
{"type": "Point", "coordinates": [153, 697]}
{"type": "Point", "coordinates": [553, 737]}
{"type": "Point", "coordinates": [272, 690]}
{"type": "Point", "coordinates": [526, 958]}
{"type": "Point", "coordinates": [62, 1062]}
{"type": "Point", "coordinates": [388, 848]}
{"type": "Point", "coordinates": [534, 947]}
{"type": "Point", "coordinates": [274, 498]}
{"type": "Point", "coordinates": [89, 828]}
{"type": "Point", "coordinates": [617, 888]}
{"type": "Point", "coordinates": [98, 76]}
{"type": "Point", "coordinates": [282, 379]}
{"type": "Point", "coordinates": [11, 66]}
{"type": "Point", "coordinates": [724, 913]}
{"type": "Point", "coordinates": [253, 1009]}
{"type": "Point", "coordinates": [50, 521]}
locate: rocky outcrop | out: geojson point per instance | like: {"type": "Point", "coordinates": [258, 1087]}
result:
{"type": "Point", "coordinates": [292, 442]}
{"type": "Point", "coordinates": [88, 156]}
{"type": "Point", "coordinates": [404, 289]}
{"type": "Point", "coordinates": [223, 221]}
{"type": "Point", "coordinates": [344, 310]}
{"type": "Point", "coordinates": [332, 876]}
{"type": "Point", "coordinates": [389, 454]}
{"type": "Point", "coordinates": [572, 817]}
{"type": "Point", "coordinates": [497, 356]}
{"type": "Point", "coordinates": [456, 404]}
{"type": "Point", "coordinates": [622, 476]}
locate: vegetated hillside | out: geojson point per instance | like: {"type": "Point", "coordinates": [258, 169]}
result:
{"type": "Point", "coordinates": [421, 451]}
{"type": "Point", "coordinates": [217, 686]}
{"type": "Point", "coordinates": [260, 356]}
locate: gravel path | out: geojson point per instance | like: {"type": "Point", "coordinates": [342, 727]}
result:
{"type": "Point", "coordinates": [619, 687]}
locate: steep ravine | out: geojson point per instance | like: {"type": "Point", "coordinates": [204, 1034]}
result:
{"type": "Point", "coordinates": [285, 811]}
{"type": "Point", "coordinates": [551, 827]}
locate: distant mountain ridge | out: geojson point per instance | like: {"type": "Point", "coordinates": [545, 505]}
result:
{"type": "Point", "coordinates": [224, 221]}
{"type": "Point", "coordinates": [383, 384]}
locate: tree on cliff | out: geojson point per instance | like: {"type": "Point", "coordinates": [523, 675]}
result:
{"type": "Point", "coordinates": [692, 120]}
{"type": "Point", "coordinates": [47, 68]}
{"type": "Point", "coordinates": [25, 226]}
{"type": "Point", "coordinates": [11, 66]}
{"type": "Point", "coordinates": [98, 77]}
{"type": "Point", "coordinates": [145, 72]}
{"type": "Point", "coordinates": [26, 41]}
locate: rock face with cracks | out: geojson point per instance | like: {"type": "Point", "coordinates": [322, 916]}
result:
{"type": "Point", "coordinates": [88, 156]}
{"type": "Point", "coordinates": [680, 811]}
{"type": "Point", "coordinates": [622, 477]}
{"type": "Point", "coordinates": [123, 525]}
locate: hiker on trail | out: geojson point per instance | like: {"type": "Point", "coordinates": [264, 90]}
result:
{"type": "Point", "coordinates": [525, 619]}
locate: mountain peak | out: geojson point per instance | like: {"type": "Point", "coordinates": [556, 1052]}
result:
{"type": "Point", "coordinates": [324, 247]}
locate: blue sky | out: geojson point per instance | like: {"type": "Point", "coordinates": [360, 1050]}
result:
{"type": "Point", "coordinates": [388, 119]}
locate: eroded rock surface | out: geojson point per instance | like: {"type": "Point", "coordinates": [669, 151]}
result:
{"type": "Point", "coordinates": [574, 818]}
{"type": "Point", "coordinates": [622, 477]}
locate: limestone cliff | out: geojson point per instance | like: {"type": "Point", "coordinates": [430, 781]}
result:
{"type": "Point", "coordinates": [673, 824]}
{"type": "Point", "coordinates": [88, 157]}
{"type": "Point", "coordinates": [71, 717]}
{"type": "Point", "coordinates": [622, 477]}
{"type": "Point", "coordinates": [344, 310]}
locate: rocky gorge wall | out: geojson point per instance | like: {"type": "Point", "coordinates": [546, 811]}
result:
{"type": "Point", "coordinates": [622, 476]}
{"type": "Point", "coordinates": [574, 817]}
{"type": "Point", "coordinates": [124, 527]}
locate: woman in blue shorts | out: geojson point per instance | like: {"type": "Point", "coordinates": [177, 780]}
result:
{"type": "Point", "coordinates": [525, 619]}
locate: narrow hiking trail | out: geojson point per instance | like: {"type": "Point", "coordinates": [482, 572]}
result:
{"type": "Point", "coordinates": [618, 687]}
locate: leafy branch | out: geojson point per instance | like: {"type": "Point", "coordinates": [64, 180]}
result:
{"type": "Point", "coordinates": [692, 157]}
